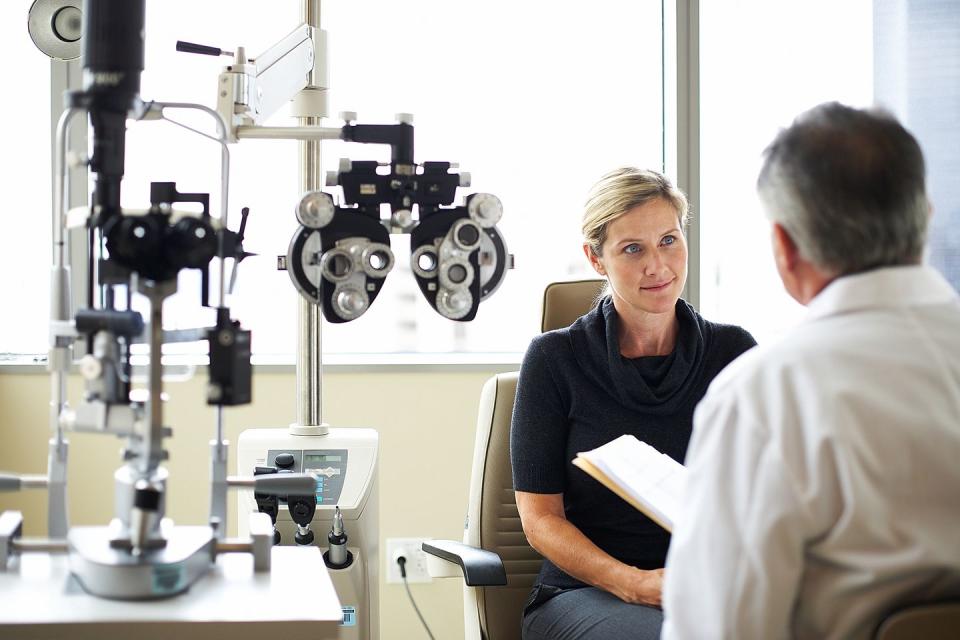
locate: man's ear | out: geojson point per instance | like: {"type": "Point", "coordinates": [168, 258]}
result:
{"type": "Point", "coordinates": [785, 251]}
{"type": "Point", "coordinates": [594, 259]}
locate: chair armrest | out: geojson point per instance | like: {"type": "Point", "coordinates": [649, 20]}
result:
{"type": "Point", "coordinates": [480, 568]}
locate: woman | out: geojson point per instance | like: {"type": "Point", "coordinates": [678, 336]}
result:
{"type": "Point", "coordinates": [638, 363]}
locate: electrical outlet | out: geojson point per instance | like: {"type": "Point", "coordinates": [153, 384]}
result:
{"type": "Point", "coordinates": [416, 564]}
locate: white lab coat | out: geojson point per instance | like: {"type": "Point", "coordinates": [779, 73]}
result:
{"type": "Point", "coordinates": [824, 486]}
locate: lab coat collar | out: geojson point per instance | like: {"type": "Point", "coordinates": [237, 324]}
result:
{"type": "Point", "coordinates": [886, 288]}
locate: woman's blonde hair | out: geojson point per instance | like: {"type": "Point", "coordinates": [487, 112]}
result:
{"type": "Point", "coordinates": [622, 190]}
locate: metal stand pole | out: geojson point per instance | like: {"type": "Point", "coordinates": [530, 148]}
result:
{"type": "Point", "coordinates": [309, 353]}
{"type": "Point", "coordinates": [59, 356]}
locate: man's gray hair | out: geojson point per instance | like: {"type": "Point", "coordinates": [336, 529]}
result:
{"type": "Point", "coordinates": [848, 185]}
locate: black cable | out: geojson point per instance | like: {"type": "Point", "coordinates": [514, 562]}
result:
{"type": "Point", "coordinates": [403, 574]}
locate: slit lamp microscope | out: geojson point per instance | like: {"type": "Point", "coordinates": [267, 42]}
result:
{"type": "Point", "coordinates": [307, 484]}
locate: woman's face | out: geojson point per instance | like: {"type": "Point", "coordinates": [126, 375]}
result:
{"type": "Point", "coordinates": [644, 258]}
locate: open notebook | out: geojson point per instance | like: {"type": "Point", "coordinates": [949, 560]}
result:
{"type": "Point", "coordinates": [651, 481]}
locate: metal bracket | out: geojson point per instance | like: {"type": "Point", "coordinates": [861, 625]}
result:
{"type": "Point", "coordinates": [250, 92]}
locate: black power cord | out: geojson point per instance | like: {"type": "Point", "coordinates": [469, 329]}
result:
{"type": "Point", "coordinates": [402, 561]}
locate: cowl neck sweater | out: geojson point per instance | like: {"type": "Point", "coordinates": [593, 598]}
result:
{"type": "Point", "coordinates": [656, 384]}
{"type": "Point", "coordinates": [576, 392]}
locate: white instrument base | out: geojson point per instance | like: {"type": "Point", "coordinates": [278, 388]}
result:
{"type": "Point", "coordinates": [295, 599]}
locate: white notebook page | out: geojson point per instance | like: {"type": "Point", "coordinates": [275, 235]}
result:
{"type": "Point", "coordinates": [652, 478]}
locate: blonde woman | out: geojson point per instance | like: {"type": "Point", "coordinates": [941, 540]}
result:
{"type": "Point", "coordinates": [638, 363]}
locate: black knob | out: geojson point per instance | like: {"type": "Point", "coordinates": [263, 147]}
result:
{"type": "Point", "coordinates": [300, 510]}
{"type": "Point", "coordinates": [146, 498]}
{"type": "Point", "coordinates": [284, 460]}
{"type": "Point", "coordinates": [269, 505]}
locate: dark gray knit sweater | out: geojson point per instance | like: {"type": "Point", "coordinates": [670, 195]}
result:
{"type": "Point", "coordinates": [576, 392]}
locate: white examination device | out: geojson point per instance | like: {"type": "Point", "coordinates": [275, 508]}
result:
{"type": "Point", "coordinates": [345, 464]}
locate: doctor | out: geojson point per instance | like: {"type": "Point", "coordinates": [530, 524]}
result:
{"type": "Point", "coordinates": [824, 484]}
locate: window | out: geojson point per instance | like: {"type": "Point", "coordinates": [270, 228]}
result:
{"type": "Point", "coordinates": [536, 100]}
{"type": "Point", "coordinates": [25, 166]}
{"type": "Point", "coordinates": [761, 64]}
{"type": "Point", "coordinates": [917, 75]}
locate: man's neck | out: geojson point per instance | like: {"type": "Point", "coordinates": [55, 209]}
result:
{"type": "Point", "coordinates": [808, 282]}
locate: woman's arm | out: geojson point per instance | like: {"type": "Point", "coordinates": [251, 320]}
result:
{"type": "Point", "coordinates": [550, 533]}
{"type": "Point", "coordinates": [538, 454]}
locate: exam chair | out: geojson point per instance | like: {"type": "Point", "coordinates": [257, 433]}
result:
{"type": "Point", "coordinates": [495, 560]}
{"type": "Point", "coordinates": [935, 621]}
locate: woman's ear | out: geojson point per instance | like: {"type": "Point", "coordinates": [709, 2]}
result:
{"type": "Point", "coordinates": [594, 259]}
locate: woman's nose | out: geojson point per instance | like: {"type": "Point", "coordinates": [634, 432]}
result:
{"type": "Point", "coordinates": [654, 264]}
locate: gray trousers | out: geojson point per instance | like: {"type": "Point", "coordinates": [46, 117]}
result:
{"type": "Point", "coordinates": [588, 614]}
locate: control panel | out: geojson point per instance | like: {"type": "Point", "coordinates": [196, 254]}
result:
{"type": "Point", "coordinates": [344, 462]}
{"type": "Point", "coordinates": [328, 465]}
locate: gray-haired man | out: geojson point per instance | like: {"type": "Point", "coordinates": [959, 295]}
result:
{"type": "Point", "coordinates": [824, 483]}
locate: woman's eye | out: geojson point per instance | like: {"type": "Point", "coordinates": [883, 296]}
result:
{"type": "Point", "coordinates": [632, 248]}
{"type": "Point", "coordinates": [668, 240]}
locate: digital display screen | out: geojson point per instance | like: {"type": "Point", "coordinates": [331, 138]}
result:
{"type": "Point", "coordinates": [322, 458]}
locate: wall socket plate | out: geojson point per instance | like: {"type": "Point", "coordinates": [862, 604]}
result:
{"type": "Point", "coordinates": [416, 565]}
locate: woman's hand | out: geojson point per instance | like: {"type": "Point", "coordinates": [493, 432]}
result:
{"type": "Point", "coordinates": [637, 586]}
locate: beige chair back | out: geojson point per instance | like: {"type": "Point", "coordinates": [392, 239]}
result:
{"type": "Point", "coordinates": [930, 621]}
{"type": "Point", "coordinates": [564, 302]}
{"type": "Point", "coordinates": [493, 522]}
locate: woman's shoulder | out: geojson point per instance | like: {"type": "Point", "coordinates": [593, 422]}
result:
{"type": "Point", "coordinates": [558, 348]}
{"type": "Point", "coordinates": [729, 343]}
{"type": "Point", "coordinates": [549, 356]}
{"type": "Point", "coordinates": [732, 334]}
{"type": "Point", "coordinates": [550, 342]}
{"type": "Point", "coordinates": [725, 340]}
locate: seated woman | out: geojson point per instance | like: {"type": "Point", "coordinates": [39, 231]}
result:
{"type": "Point", "coordinates": [638, 363]}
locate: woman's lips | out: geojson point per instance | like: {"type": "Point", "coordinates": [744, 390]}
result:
{"type": "Point", "coordinates": [658, 287]}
